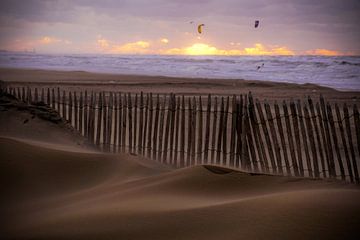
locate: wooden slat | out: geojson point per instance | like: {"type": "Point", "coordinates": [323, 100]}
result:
{"type": "Point", "coordinates": [310, 133]}
{"type": "Point", "coordinates": [357, 128]}
{"type": "Point", "coordinates": [233, 131]}
{"type": "Point", "coordinates": [36, 95]}
{"type": "Point", "coordinates": [130, 118]}
{"type": "Point", "coordinates": [150, 126]}
{"type": "Point", "coordinates": [344, 144]}
{"type": "Point", "coordinates": [99, 118]}
{"type": "Point", "coordinates": [274, 137]}
{"type": "Point", "coordinates": [81, 110]}
{"type": "Point", "coordinates": [323, 135]}
{"type": "Point", "coordinates": [116, 122]}
{"type": "Point", "coordinates": [266, 135]}
{"type": "Point", "coordinates": [220, 133]}
{"type": "Point", "coordinates": [335, 139]}
{"type": "Point", "coordinates": [257, 136]}
{"type": "Point", "coordinates": [167, 131]}
{"type": "Point", "coordinates": [124, 117]}
{"type": "Point", "coordinates": [207, 130]}
{"type": "Point", "coordinates": [329, 148]}
{"type": "Point", "coordinates": [76, 112]}
{"type": "Point", "coordinates": [156, 127]}
{"type": "Point", "coordinates": [121, 133]}
{"type": "Point", "coordinates": [53, 98]}
{"type": "Point", "coordinates": [225, 121]}
{"type": "Point", "coordinates": [141, 123]}
{"type": "Point", "coordinates": [110, 121]}
{"type": "Point", "coordinates": [92, 122]}
{"type": "Point", "coordinates": [172, 128]}
{"type": "Point", "coordinates": [70, 108]}
{"type": "Point", "coordinates": [318, 137]}
{"type": "Point", "coordinates": [193, 131]}
{"type": "Point", "coordinates": [241, 136]}
{"type": "Point", "coordinates": [161, 128]}
{"type": "Point", "coordinates": [177, 127]}
{"type": "Point", "coordinates": [63, 105]}
{"type": "Point", "coordinates": [182, 133]}
{"type": "Point", "coordinates": [48, 98]}
{"type": "Point", "coordinates": [135, 123]}
{"type": "Point", "coordinates": [189, 136]}
{"type": "Point", "coordinates": [304, 139]}
{"type": "Point", "coordinates": [213, 137]}
{"type": "Point", "coordinates": [104, 122]}
{"type": "Point", "coordinates": [247, 142]}
{"type": "Point", "coordinates": [350, 141]}
{"type": "Point", "coordinates": [58, 100]}
{"type": "Point", "coordinates": [290, 140]}
{"type": "Point", "coordinates": [146, 121]}
{"type": "Point", "coordinates": [86, 116]}
{"type": "Point", "coordinates": [297, 137]}
{"type": "Point", "coordinates": [200, 134]}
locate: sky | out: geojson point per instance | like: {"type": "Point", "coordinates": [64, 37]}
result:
{"type": "Point", "coordinates": [287, 27]}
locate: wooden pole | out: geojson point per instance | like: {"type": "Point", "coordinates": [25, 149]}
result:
{"type": "Point", "coordinates": [290, 140]}
{"type": "Point", "coordinates": [135, 122]}
{"type": "Point", "coordinates": [274, 137]}
{"type": "Point", "coordinates": [121, 133]}
{"type": "Point", "coordinates": [86, 105]}
{"type": "Point", "coordinates": [58, 100]}
{"type": "Point", "coordinates": [76, 112]}
{"type": "Point", "coordinates": [213, 137]}
{"type": "Point", "coordinates": [200, 134]}
{"type": "Point", "coordinates": [335, 139]}
{"type": "Point", "coordinates": [240, 136]}
{"type": "Point", "coordinates": [172, 129]}
{"type": "Point", "coordinates": [167, 130]}
{"type": "Point", "coordinates": [182, 133]}
{"type": "Point", "coordinates": [124, 116]}
{"type": "Point", "coordinates": [161, 130]}
{"type": "Point", "coordinates": [177, 119]}
{"type": "Point", "coordinates": [207, 130]}
{"type": "Point", "coordinates": [141, 122]}
{"type": "Point", "coordinates": [225, 120]}
{"type": "Point", "coordinates": [81, 110]}
{"type": "Point", "coordinates": [297, 138]}
{"type": "Point", "coordinates": [130, 123]}
{"type": "Point", "coordinates": [64, 106]}
{"type": "Point", "coordinates": [110, 122]}
{"type": "Point", "coordinates": [220, 133]}
{"type": "Point", "coordinates": [70, 108]}
{"type": "Point", "coordinates": [350, 141]}
{"type": "Point", "coordinates": [116, 122]}
{"type": "Point", "coordinates": [189, 137]}
{"type": "Point", "coordinates": [266, 135]}
{"type": "Point", "coordinates": [309, 128]}
{"type": "Point", "coordinates": [156, 127]}
{"type": "Point", "coordinates": [328, 139]}
{"type": "Point", "coordinates": [343, 139]}
{"type": "Point", "coordinates": [193, 131]}
{"type": "Point", "coordinates": [150, 125]}
{"type": "Point", "coordinates": [48, 101]}
{"type": "Point", "coordinates": [233, 131]}
{"type": "Point", "coordinates": [322, 131]}
{"type": "Point", "coordinates": [146, 120]}
{"type": "Point", "coordinates": [304, 137]}
{"type": "Point", "coordinates": [99, 118]}
{"type": "Point", "coordinates": [318, 137]}
{"type": "Point", "coordinates": [357, 130]}
{"type": "Point", "coordinates": [53, 98]}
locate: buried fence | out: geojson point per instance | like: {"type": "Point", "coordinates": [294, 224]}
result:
{"type": "Point", "coordinates": [296, 138]}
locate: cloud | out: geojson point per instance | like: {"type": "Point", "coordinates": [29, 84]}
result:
{"type": "Point", "coordinates": [139, 47]}
{"type": "Point", "coordinates": [49, 40]}
{"type": "Point", "coordinates": [324, 52]}
{"type": "Point", "coordinates": [164, 40]}
{"type": "Point", "coordinates": [205, 49]}
{"type": "Point", "coordinates": [103, 43]}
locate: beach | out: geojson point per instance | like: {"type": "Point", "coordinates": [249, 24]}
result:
{"type": "Point", "coordinates": [57, 185]}
{"type": "Point", "coordinates": [80, 81]}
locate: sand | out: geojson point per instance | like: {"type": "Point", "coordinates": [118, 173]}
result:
{"type": "Point", "coordinates": [79, 81]}
{"type": "Point", "coordinates": [54, 185]}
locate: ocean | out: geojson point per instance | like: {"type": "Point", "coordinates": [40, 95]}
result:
{"type": "Point", "coordinates": [340, 72]}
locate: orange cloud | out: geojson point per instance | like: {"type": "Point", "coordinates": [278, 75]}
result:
{"type": "Point", "coordinates": [164, 40]}
{"type": "Point", "coordinates": [324, 52]}
{"type": "Point", "coordinates": [141, 47]}
{"type": "Point", "coordinates": [49, 40]}
{"type": "Point", "coordinates": [205, 49]}
{"type": "Point", "coordinates": [103, 43]}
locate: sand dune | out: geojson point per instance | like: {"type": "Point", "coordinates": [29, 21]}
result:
{"type": "Point", "coordinates": [54, 185]}
{"type": "Point", "coordinates": [52, 194]}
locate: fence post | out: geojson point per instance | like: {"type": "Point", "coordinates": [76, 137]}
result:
{"type": "Point", "coordinates": [290, 139]}
{"type": "Point", "coordinates": [189, 137]}
{"type": "Point", "coordinates": [76, 112]}
{"type": "Point", "coordinates": [86, 105]}
{"type": "Point", "coordinates": [336, 145]}
{"type": "Point", "coordinates": [200, 134]}
{"type": "Point", "coordinates": [116, 122]}
{"type": "Point", "coordinates": [343, 139]}
{"type": "Point", "coordinates": [167, 129]}
{"type": "Point", "coordinates": [135, 125]}
{"type": "Point", "coordinates": [303, 133]}
{"type": "Point", "coordinates": [177, 119]}
{"type": "Point", "coordinates": [64, 105]}
{"type": "Point", "coordinates": [53, 98]}
{"type": "Point", "coordinates": [266, 135]}
{"type": "Point", "coordinates": [213, 137]}
{"type": "Point", "coordinates": [225, 120]}
{"type": "Point", "coordinates": [110, 121]}
{"type": "Point", "coordinates": [58, 100]}
{"type": "Point", "coordinates": [156, 127]}
{"type": "Point", "coordinates": [146, 120]}
{"type": "Point", "coordinates": [297, 138]}
{"type": "Point", "coordinates": [350, 140]}
{"type": "Point", "coordinates": [182, 133]}
{"type": "Point", "coordinates": [220, 132]}
{"type": "Point", "coordinates": [172, 128]}
{"type": "Point", "coordinates": [70, 108]}
{"type": "Point", "coordinates": [207, 130]}
{"type": "Point", "coordinates": [150, 126]}
{"type": "Point", "coordinates": [141, 122]}
{"type": "Point", "coordinates": [124, 116]}
{"type": "Point", "coordinates": [274, 137]}
{"type": "Point", "coordinates": [309, 127]}
{"type": "Point", "coordinates": [318, 137]}
{"type": "Point", "coordinates": [130, 123]}
{"type": "Point", "coordinates": [161, 130]}
{"type": "Point", "coordinates": [240, 136]}
{"type": "Point", "coordinates": [325, 121]}
{"type": "Point", "coordinates": [121, 133]}
{"type": "Point", "coordinates": [233, 131]}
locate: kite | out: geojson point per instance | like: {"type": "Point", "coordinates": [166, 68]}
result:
{"type": "Point", "coordinates": [200, 28]}
{"type": "Point", "coordinates": [257, 23]}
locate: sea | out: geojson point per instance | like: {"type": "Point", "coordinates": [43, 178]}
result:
{"type": "Point", "coordinates": [339, 72]}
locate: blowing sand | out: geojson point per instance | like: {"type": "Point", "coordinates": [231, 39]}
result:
{"type": "Point", "coordinates": [56, 186]}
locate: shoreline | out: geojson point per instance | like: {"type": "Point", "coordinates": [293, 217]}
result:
{"type": "Point", "coordinates": [76, 80]}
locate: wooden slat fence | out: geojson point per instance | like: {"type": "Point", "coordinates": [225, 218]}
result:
{"type": "Point", "coordinates": [295, 138]}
